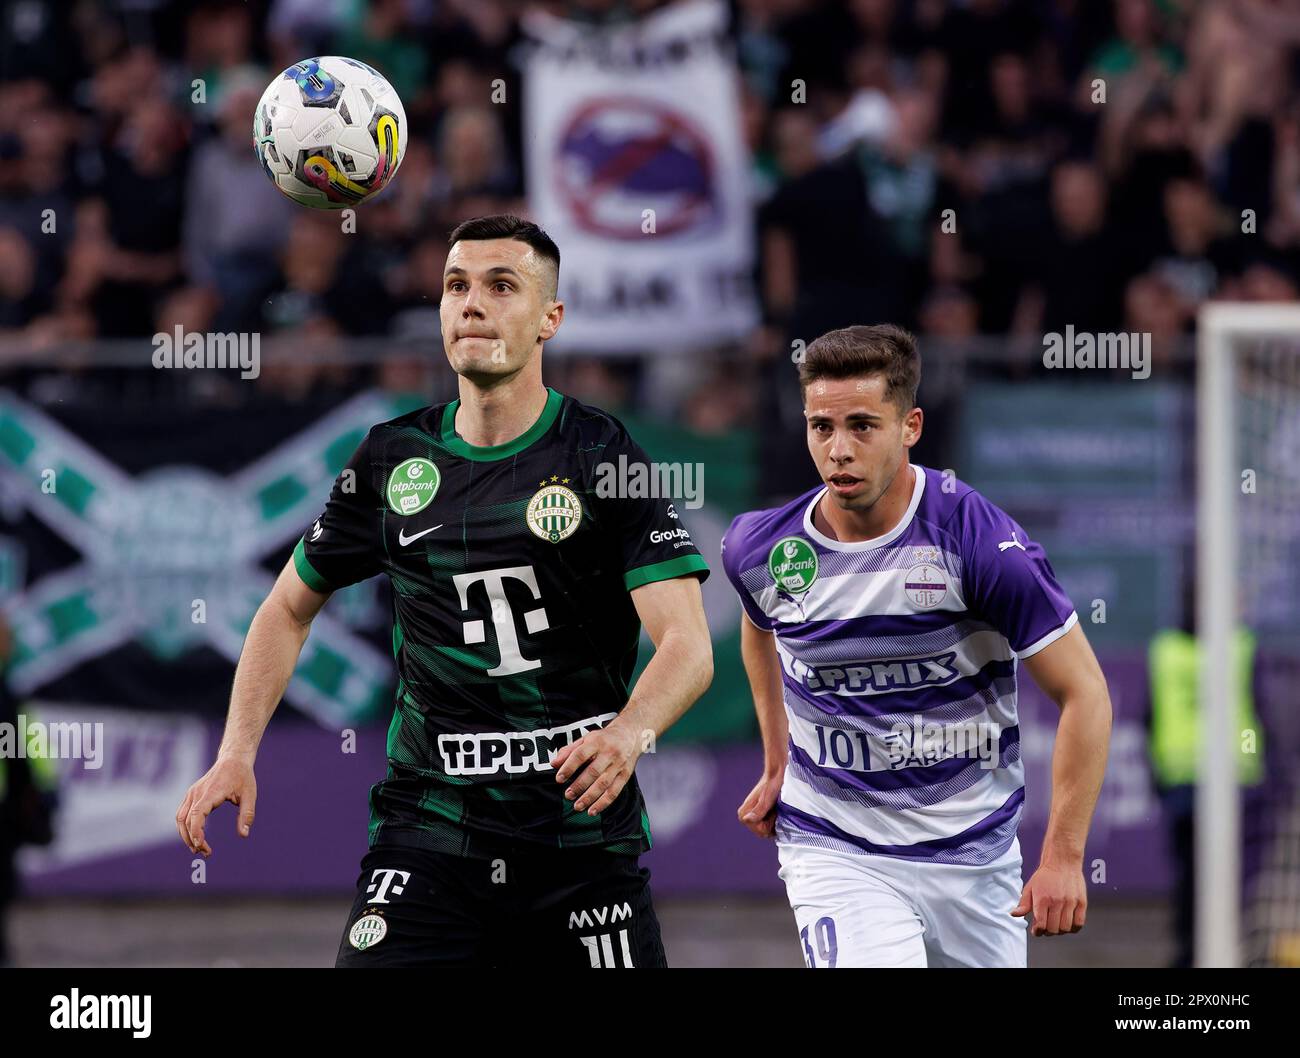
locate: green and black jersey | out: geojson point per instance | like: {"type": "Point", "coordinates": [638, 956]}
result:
{"type": "Point", "coordinates": [513, 629]}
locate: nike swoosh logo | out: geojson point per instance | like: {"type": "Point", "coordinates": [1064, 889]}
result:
{"type": "Point", "coordinates": [403, 539]}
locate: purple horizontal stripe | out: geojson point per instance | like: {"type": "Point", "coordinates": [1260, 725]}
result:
{"type": "Point", "coordinates": [866, 627]}
{"type": "Point", "coordinates": [972, 834]}
{"type": "Point", "coordinates": [999, 695]}
{"type": "Point", "coordinates": [902, 700]}
{"type": "Point", "coordinates": [904, 800]}
{"type": "Point", "coordinates": [904, 778]}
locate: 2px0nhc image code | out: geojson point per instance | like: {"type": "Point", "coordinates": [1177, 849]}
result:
{"type": "Point", "coordinates": [1191, 999]}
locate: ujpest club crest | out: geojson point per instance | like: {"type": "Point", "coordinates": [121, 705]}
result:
{"type": "Point", "coordinates": [926, 585]}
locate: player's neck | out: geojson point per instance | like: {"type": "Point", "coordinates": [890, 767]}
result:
{"type": "Point", "coordinates": [496, 416]}
{"type": "Point", "coordinates": [853, 527]}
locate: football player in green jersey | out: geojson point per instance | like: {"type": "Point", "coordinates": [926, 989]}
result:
{"type": "Point", "coordinates": [508, 827]}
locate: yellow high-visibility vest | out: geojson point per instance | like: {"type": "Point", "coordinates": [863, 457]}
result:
{"type": "Point", "coordinates": [1174, 661]}
{"type": "Point", "coordinates": [44, 775]}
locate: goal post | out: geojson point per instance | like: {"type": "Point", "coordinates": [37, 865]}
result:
{"type": "Point", "coordinates": [1221, 596]}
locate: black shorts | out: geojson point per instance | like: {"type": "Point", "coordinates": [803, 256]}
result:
{"type": "Point", "coordinates": [570, 908]}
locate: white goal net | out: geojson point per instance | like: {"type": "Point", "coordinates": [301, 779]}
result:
{"type": "Point", "coordinates": [1248, 573]}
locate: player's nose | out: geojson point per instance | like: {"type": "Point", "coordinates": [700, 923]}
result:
{"type": "Point", "coordinates": [841, 450]}
{"type": "Point", "coordinates": [472, 307]}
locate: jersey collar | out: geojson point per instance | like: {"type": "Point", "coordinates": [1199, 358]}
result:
{"type": "Point", "coordinates": [918, 487]}
{"type": "Point", "coordinates": [486, 453]}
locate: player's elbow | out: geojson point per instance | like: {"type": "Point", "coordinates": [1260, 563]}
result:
{"type": "Point", "coordinates": [287, 615]}
{"type": "Point", "coordinates": [695, 656]}
{"type": "Point", "coordinates": [1090, 696]}
{"type": "Point", "coordinates": [1103, 705]}
{"type": "Point", "coordinates": [706, 665]}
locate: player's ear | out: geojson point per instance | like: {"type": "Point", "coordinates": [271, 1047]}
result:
{"type": "Point", "coordinates": [912, 424]}
{"type": "Point", "coordinates": [551, 321]}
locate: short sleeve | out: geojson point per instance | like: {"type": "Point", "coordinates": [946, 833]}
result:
{"type": "Point", "coordinates": [648, 526]}
{"type": "Point", "coordinates": [345, 544]}
{"type": "Point", "coordinates": [733, 551]}
{"type": "Point", "coordinates": [1008, 580]}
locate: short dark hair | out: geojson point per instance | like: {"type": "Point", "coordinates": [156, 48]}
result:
{"type": "Point", "coordinates": [508, 226]}
{"type": "Point", "coordinates": [882, 349]}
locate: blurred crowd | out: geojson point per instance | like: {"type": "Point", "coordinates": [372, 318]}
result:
{"type": "Point", "coordinates": [1108, 165]}
{"type": "Point", "coordinates": [986, 167]}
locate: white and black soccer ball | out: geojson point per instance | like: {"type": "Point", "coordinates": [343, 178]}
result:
{"type": "Point", "coordinates": [330, 132]}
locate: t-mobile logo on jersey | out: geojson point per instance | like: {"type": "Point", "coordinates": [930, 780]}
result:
{"type": "Point", "coordinates": [503, 617]}
{"type": "Point", "coordinates": [383, 883]}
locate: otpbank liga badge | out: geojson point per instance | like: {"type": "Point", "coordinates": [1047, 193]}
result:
{"type": "Point", "coordinates": [412, 485]}
{"type": "Point", "coordinates": [555, 511]}
{"type": "Point", "coordinates": [793, 564]}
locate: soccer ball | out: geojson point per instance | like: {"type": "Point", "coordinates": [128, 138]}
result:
{"type": "Point", "coordinates": [330, 132]}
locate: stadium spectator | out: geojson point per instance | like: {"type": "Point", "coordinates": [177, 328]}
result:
{"type": "Point", "coordinates": [1139, 42]}
{"type": "Point", "coordinates": [902, 176]}
{"type": "Point", "coordinates": [1152, 305]}
{"type": "Point", "coordinates": [949, 312]}
{"type": "Point", "coordinates": [316, 283]}
{"type": "Point", "coordinates": [218, 44]}
{"type": "Point", "coordinates": [380, 34]}
{"type": "Point", "coordinates": [794, 139]}
{"type": "Point", "coordinates": [305, 27]}
{"type": "Point", "coordinates": [475, 164]}
{"type": "Point", "coordinates": [1199, 250]}
{"type": "Point", "coordinates": [131, 248]}
{"type": "Point", "coordinates": [235, 220]}
{"type": "Point", "coordinates": [21, 300]}
{"type": "Point", "coordinates": [1080, 243]}
{"type": "Point", "coordinates": [416, 291]}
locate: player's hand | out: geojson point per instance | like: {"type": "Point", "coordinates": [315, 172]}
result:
{"type": "Point", "coordinates": [758, 811]}
{"type": "Point", "coordinates": [229, 779]}
{"type": "Point", "coordinates": [600, 764]}
{"type": "Point", "coordinates": [1058, 899]}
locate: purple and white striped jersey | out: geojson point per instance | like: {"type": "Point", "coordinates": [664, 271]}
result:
{"type": "Point", "coordinates": [898, 659]}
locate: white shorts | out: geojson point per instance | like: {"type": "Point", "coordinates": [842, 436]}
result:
{"type": "Point", "coordinates": [868, 910]}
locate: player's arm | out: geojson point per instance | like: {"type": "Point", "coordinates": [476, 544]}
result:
{"type": "Point", "coordinates": [763, 667]}
{"type": "Point", "coordinates": [600, 764]}
{"type": "Point", "coordinates": [1009, 582]}
{"type": "Point", "coordinates": [1068, 672]}
{"type": "Point", "coordinates": [681, 669]}
{"type": "Point", "coordinates": [343, 546]}
{"type": "Point", "coordinates": [274, 641]}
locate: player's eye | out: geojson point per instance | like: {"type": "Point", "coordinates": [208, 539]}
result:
{"type": "Point", "coordinates": [501, 286]}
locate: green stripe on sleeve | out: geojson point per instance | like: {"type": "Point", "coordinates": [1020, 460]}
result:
{"type": "Point", "coordinates": [307, 572]}
{"type": "Point", "coordinates": [673, 567]}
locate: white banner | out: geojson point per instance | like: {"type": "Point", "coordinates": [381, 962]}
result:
{"type": "Point", "coordinates": [637, 168]}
